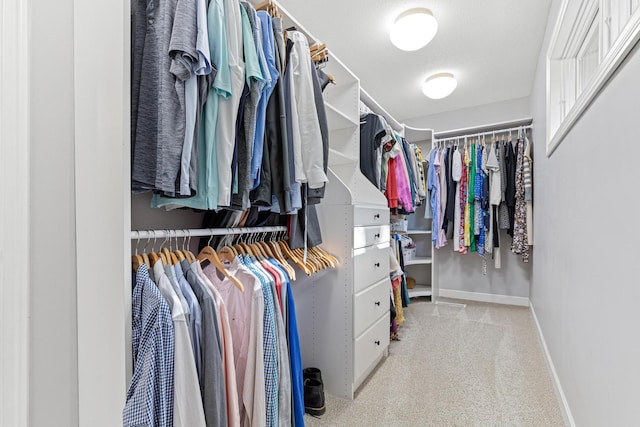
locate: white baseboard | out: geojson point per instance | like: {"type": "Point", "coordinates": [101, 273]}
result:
{"type": "Point", "coordinates": [562, 399]}
{"type": "Point", "coordinates": [477, 296]}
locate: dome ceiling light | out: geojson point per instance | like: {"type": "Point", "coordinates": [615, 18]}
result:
{"type": "Point", "coordinates": [439, 86]}
{"type": "Point", "coordinates": [413, 29]}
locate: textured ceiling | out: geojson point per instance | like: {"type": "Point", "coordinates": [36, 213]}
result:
{"type": "Point", "coordinates": [491, 46]}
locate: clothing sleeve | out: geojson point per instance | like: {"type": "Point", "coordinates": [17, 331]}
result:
{"type": "Point", "coordinates": [182, 46]}
{"type": "Point", "coordinates": [308, 150]}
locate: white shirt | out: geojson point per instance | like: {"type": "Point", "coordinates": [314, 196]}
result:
{"type": "Point", "coordinates": [307, 139]}
{"type": "Point", "coordinates": [188, 410]}
{"type": "Point", "coordinates": [225, 135]}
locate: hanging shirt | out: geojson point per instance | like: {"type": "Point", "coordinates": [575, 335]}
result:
{"type": "Point", "coordinates": [434, 188]}
{"type": "Point", "coordinates": [161, 63]}
{"type": "Point", "coordinates": [187, 403]}
{"type": "Point", "coordinates": [206, 197]}
{"type": "Point", "coordinates": [307, 138]}
{"type": "Point", "coordinates": [228, 361]}
{"type": "Point", "coordinates": [270, 73]}
{"type": "Point", "coordinates": [212, 386]}
{"type": "Point", "coordinates": [270, 343]}
{"type": "Point", "coordinates": [150, 395]}
{"type": "Point", "coordinates": [372, 131]}
{"type": "Point", "coordinates": [456, 175]}
{"type": "Point", "coordinates": [246, 312]}
{"type": "Point", "coordinates": [195, 324]}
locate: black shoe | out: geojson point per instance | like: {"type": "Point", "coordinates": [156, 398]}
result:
{"type": "Point", "coordinates": [313, 397]}
{"type": "Point", "coordinates": [313, 373]}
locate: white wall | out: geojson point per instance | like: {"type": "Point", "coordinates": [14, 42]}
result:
{"type": "Point", "coordinates": [585, 285]}
{"type": "Point", "coordinates": [497, 112]}
{"type": "Point", "coordinates": [53, 339]}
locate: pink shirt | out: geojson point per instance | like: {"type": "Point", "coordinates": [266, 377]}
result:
{"type": "Point", "coordinates": [245, 311]}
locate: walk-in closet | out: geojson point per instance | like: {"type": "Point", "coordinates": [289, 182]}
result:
{"type": "Point", "coordinates": [285, 213]}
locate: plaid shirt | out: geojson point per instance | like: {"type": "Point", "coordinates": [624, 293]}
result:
{"type": "Point", "coordinates": [270, 343]}
{"type": "Point", "coordinates": [150, 395]}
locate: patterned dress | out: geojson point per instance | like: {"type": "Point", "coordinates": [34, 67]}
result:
{"type": "Point", "coordinates": [463, 202]}
{"type": "Point", "coordinates": [520, 244]}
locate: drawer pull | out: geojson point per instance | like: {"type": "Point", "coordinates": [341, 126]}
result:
{"type": "Point", "coordinates": [377, 342]}
{"type": "Point", "coordinates": [377, 265]}
{"type": "Point", "coordinates": [376, 216]}
{"type": "Point", "coordinates": [377, 236]}
{"type": "Point", "coordinates": [377, 303]}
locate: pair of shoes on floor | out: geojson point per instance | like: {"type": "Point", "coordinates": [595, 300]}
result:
{"type": "Point", "coordinates": [313, 391]}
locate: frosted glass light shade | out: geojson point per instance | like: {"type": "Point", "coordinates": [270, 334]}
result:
{"type": "Point", "coordinates": [439, 85]}
{"type": "Point", "coordinates": [413, 29]}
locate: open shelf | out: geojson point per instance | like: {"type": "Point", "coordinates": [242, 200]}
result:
{"type": "Point", "coordinates": [418, 232]}
{"type": "Point", "coordinates": [337, 119]}
{"type": "Point", "coordinates": [420, 291]}
{"type": "Point", "coordinates": [419, 261]}
{"type": "Point", "coordinates": [338, 158]}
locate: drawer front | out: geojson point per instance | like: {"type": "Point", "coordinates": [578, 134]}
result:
{"type": "Point", "coordinates": [370, 345]}
{"type": "Point", "coordinates": [370, 215]}
{"type": "Point", "coordinates": [370, 265]}
{"type": "Point", "coordinates": [370, 304]}
{"type": "Point", "coordinates": [372, 235]}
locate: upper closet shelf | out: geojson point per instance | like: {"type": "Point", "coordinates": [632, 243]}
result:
{"type": "Point", "coordinates": [339, 120]}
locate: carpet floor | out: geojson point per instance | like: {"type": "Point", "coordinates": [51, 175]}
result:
{"type": "Point", "coordinates": [479, 365]}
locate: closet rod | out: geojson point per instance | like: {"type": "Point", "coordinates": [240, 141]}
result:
{"type": "Point", "coordinates": [202, 232]}
{"type": "Point", "coordinates": [491, 132]}
{"type": "Point", "coordinates": [526, 121]}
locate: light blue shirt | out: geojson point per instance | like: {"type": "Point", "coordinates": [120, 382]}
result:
{"type": "Point", "coordinates": [195, 321]}
{"type": "Point", "coordinates": [269, 53]}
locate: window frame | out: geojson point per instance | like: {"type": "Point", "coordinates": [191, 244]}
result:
{"type": "Point", "coordinates": [618, 27]}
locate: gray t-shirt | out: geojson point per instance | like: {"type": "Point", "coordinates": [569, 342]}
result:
{"type": "Point", "coordinates": [162, 59]}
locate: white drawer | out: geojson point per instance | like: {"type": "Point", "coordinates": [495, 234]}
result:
{"type": "Point", "coordinates": [370, 215]}
{"type": "Point", "coordinates": [367, 236]}
{"type": "Point", "coordinates": [370, 265]}
{"type": "Point", "coordinates": [370, 304]}
{"type": "Point", "coordinates": [369, 346]}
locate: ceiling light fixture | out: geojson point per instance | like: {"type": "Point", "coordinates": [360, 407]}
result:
{"type": "Point", "coordinates": [413, 29]}
{"type": "Point", "coordinates": [439, 85]}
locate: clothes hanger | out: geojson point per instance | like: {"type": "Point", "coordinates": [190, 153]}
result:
{"type": "Point", "coordinates": [153, 256]}
{"type": "Point", "coordinates": [207, 253]}
{"type": "Point", "coordinates": [290, 255]}
{"type": "Point", "coordinates": [264, 5]}
{"type": "Point", "coordinates": [171, 258]}
{"type": "Point", "coordinates": [178, 253]}
{"type": "Point", "coordinates": [136, 260]}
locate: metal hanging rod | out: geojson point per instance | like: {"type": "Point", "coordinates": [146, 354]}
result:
{"type": "Point", "coordinates": [489, 132]}
{"type": "Point", "coordinates": [488, 127]}
{"type": "Point", "coordinates": [202, 232]}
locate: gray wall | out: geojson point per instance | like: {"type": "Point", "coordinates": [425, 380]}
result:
{"type": "Point", "coordinates": [585, 286]}
{"type": "Point", "coordinates": [497, 112]}
{"type": "Point", "coordinates": [53, 339]}
{"type": "Point", "coordinates": [465, 273]}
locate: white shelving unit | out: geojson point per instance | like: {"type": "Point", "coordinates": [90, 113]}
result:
{"type": "Point", "coordinates": [423, 267]}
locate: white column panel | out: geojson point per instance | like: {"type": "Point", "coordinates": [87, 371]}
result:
{"type": "Point", "coordinates": [101, 70]}
{"type": "Point", "coordinates": [14, 214]}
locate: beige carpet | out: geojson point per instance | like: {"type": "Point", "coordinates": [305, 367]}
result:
{"type": "Point", "coordinates": [481, 365]}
